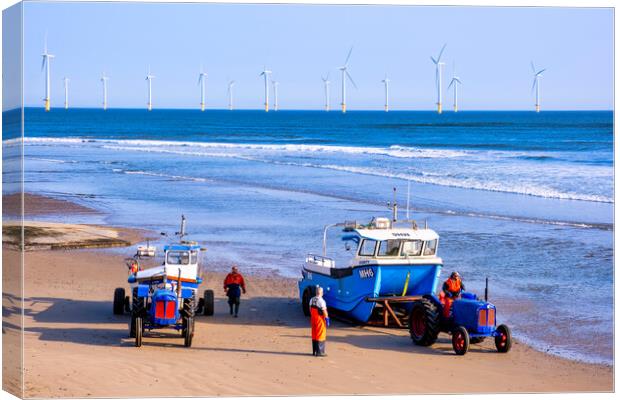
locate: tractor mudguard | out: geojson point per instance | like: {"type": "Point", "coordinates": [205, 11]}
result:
{"type": "Point", "coordinates": [434, 299]}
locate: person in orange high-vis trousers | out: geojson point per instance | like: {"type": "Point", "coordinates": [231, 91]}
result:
{"type": "Point", "coordinates": [319, 321]}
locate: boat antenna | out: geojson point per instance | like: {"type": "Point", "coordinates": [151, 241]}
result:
{"type": "Point", "coordinates": [408, 194]}
{"type": "Point", "coordinates": [394, 207]}
{"type": "Point", "coordinates": [182, 233]}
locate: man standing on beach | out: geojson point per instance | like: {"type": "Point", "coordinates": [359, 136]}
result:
{"type": "Point", "coordinates": [233, 285]}
{"type": "Point", "coordinates": [319, 321]}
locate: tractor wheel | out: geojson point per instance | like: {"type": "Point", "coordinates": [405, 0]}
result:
{"type": "Point", "coordinates": [503, 341]}
{"type": "Point", "coordinates": [201, 306]}
{"type": "Point", "coordinates": [127, 304]}
{"type": "Point", "coordinates": [476, 340]}
{"type": "Point", "coordinates": [132, 327]}
{"type": "Point", "coordinates": [208, 303]}
{"type": "Point", "coordinates": [308, 294]}
{"type": "Point", "coordinates": [119, 301]}
{"type": "Point", "coordinates": [137, 310]}
{"type": "Point", "coordinates": [188, 330]}
{"type": "Point", "coordinates": [424, 322]}
{"type": "Point", "coordinates": [139, 331]}
{"type": "Point", "coordinates": [460, 340]}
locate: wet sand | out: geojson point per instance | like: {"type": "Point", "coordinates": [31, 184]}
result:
{"type": "Point", "coordinates": [76, 347]}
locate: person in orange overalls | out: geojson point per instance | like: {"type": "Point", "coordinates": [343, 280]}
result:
{"type": "Point", "coordinates": [319, 321]}
{"type": "Point", "coordinates": [451, 290]}
{"type": "Point", "coordinates": [233, 285]}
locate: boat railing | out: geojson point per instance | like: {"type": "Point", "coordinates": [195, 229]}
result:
{"type": "Point", "coordinates": [321, 261]}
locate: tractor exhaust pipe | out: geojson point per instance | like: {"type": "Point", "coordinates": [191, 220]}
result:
{"type": "Point", "coordinates": [486, 289]}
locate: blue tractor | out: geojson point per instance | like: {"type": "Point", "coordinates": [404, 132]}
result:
{"type": "Point", "coordinates": [471, 320]}
{"type": "Point", "coordinates": [166, 296]}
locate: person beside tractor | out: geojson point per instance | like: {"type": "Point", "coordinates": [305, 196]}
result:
{"type": "Point", "coordinates": [451, 290]}
{"type": "Point", "coordinates": [234, 284]}
{"type": "Point", "coordinates": [319, 321]}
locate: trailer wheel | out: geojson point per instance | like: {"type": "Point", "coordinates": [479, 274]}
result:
{"type": "Point", "coordinates": [424, 322]}
{"type": "Point", "coordinates": [139, 329]}
{"type": "Point", "coordinates": [119, 301]}
{"type": "Point", "coordinates": [460, 340]}
{"type": "Point", "coordinates": [503, 341]}
{"type": "Point", "coordinates": [305, 302]}
{"type": "Point", "coordinates": [308, 294]}
{"type": "Point", "coordinates": [188, 330]}
{"type": "Point", "coordinates": [208, 302]}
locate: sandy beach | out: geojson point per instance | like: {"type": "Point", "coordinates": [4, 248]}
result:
{"type": "Point", "coordinates": [76, 347]}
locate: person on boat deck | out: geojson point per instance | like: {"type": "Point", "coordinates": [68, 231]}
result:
{"type": "Point", "coordinates": [319, 321]}
{"type": "Point", "coordinates": [451, 290]}
{"type": "Point", "coordinates": [233, 285]}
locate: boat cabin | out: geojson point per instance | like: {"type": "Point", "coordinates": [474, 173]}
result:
{"type": "Point", "coordinates": [380, 243]}
{"type": "Point", "coordinates": [181, 254]}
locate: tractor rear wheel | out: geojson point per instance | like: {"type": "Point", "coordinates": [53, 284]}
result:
{"type": "Point", "coordinates": [424, 322]}
{"type": "Point", "coordinates": [119, 301]}
{"type": "Point", "coordinates": [460, 340]}
{"type": "Point", "coordinates": [208, 303]}
{"type": "Point", "coordinates": [139, 329]}
{"type": "Point", "coordinates": [503, 341]}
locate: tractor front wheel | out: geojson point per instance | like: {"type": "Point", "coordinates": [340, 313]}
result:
{"type": "Point", "coordinates": [503, 340]}
{"type": "Point", "coordinates": [188, 330]}
{"type": "Point", "coordinates": [424, 322]}
{"type": "Point", "coordinates": [119, 301]}
{"type": "Point", "coordinates": [460, 340]}
{"type": "Point", "coordinates": [139, 330]}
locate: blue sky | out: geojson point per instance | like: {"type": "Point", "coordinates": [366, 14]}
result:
{"type": "Point", "coordinates": [492, 49]}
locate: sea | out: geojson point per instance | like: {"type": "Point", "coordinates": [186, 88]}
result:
{"type": "Point", "coordinates": [524, 199]}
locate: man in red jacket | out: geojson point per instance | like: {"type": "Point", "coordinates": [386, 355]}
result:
{"type": "Point", "coordinates": [233, 285]}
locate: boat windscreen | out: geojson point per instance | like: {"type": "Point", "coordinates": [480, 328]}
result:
{"type": "Point", "coordinates": [389, 248]}
{"type": "Point", "coordinates": [430, 248]}
{"type": "Point", "coordinates": [411, 248]}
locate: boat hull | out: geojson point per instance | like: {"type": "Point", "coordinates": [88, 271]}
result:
{"type": "Point", "coordinates": [346, 290]}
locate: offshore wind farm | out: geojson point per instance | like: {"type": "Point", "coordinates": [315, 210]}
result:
{"type": "Point", "coordinates": [266, 74]}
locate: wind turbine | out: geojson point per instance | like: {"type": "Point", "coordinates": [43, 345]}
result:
{"type": "Point", "coordinates": [47, 57]}
{"type": "Point", "coordinates": [536, 84]}
{"type": "Point", "coordinates": [66, 81]}
{"type": "Point", "coordinates": [265, 74]}
{"type": "Point", "coordinates": [202, 81]}
{"type": "Point", "coordinates": [386, 82]}
{"type": "Point", "coordinates": [326, 85]}
{"type": "Point", "coordinates": [275, 94]}
{"type": "Point", "coordinates": [149, 79]}
{"type": "Point", "coordinates": [438, 65]}
{"type": "Point", "coordinates": [104, 81]}
{"type": "Point", "coordinates": [230, 94]}
{"type": "Point", "coordinates": [456, 81]}
{"type": "Point", "coordinates": [345, 74]}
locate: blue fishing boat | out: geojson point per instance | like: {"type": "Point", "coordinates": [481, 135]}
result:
{"type": "Point", "coordinates": [391, 260]}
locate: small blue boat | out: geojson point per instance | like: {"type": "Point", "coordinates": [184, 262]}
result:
{"type": "Point", "coordinates": [391, 259]}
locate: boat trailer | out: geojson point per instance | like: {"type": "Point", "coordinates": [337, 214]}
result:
{"type": "Point", "coordinates": [387, 303]}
